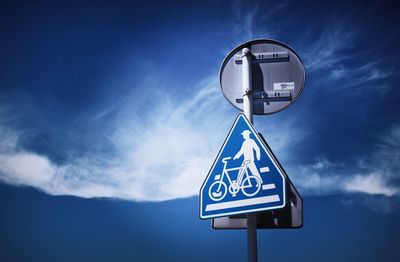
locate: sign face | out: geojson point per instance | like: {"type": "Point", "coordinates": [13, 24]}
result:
{"type": "Point", "coordinates": [244, 178]}
{"type": "Point", "coordinates": [277, 76]}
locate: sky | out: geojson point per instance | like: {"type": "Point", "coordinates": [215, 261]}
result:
{"type": "Point", "coordinates": [111, 116]}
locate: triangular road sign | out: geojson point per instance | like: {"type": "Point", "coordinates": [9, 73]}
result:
{"type": "Point", "coordinates": [244, 178]}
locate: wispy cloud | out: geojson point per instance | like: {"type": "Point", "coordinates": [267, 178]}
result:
{"type": "Point", "coordinates": [163, 153]}
{"type": "Point", "coordinates": [335, 57]}
{"type": "Point", "coordinates": [255, 20]}
{"type": "Point", "coordinates": [377, 173]}
{"type": "Point", "coordinates": [170, 157]}
{"type": "Point", "coordinates": [326, 52]}
{"type": "Point", "coordinates": [320, 177]}
{"type": "Point", "coordinates": [374, 184]}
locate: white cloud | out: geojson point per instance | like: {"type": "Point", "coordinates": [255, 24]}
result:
{"type": "Point", "coordinates": [374, 174]}
{"type": "Point", "coordinates": [317, 178]}
{"type": "Point", "coordinates": [26, 168]}
{"type": "Point", "coordinates": [156, 168]}
{"type": "Point", "coordinates": [177, 145]}
{"type": "Point", "coordinates": [374, 184]}
{"type": "Point", "coordinates": [166, 152]}
{"type": "Point", "coordinates": [163, 153]}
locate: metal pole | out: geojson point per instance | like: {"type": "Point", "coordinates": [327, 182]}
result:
{"type": "Point", "coordinates": [252, 237]}
{"type": "Point", "coordinates": [248, 112]}
{"type": "Point", "coordinates": [247, 85]}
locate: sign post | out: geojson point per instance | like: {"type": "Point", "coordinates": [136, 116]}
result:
{"type": "Point", "coordinates": [248, 112]}
{"type": "Point", "coordinates": [258, 77]}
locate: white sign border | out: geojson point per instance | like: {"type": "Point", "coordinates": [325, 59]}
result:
{"type": "Point", "coordinates": [270, 155]}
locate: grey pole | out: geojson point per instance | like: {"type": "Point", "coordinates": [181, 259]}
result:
{"type": "Point", "coordinates": [252, 237]}
{"type": "Point", "coordinates": [247, 84]}
{"type": "Point", "coordinates": [248, 112]}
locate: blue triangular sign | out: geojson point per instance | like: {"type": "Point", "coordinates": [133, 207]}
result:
{"type": "Point", "coordinates": [244, 178]}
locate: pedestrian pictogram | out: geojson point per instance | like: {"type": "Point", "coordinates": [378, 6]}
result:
{"type": "Point", "coordinates": [244, 178]}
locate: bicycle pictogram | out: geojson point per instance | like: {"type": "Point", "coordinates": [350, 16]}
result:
{"type": "Point", "coordinates": [249, 185]}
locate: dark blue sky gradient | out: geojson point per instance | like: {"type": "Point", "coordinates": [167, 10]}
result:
{"type": "Point", "coordinates": [85, 86]}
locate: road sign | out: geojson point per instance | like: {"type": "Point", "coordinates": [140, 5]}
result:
{"type": "Point", "coordinates": [291, 216]}
{"type": "Point", "coordinates": [244, 178]}
{"type": "Point", "coordinates": [277, 76]}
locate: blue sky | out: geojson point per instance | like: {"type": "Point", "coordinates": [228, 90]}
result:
{"type": "Point", "coordinates": [109, 101]}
